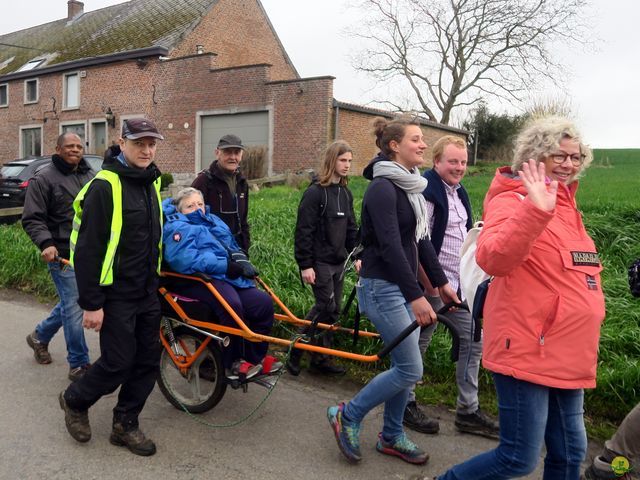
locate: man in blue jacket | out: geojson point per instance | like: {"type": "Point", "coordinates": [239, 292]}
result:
{"type": "Point", "coordinates": [449, 215]}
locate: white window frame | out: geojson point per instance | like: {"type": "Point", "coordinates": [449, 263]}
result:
{"type": "Point", "coordinates": [37, 90]}
{"type": "Point", "coordinates": [31, 64]}
{"type": "Point", "coordinates": [65, 77]}
{"type": "Point", "coordinates": [75, 122]}
{"type": "Point", "coordinates": [92, 123]}
{"type": "Point", "coordinates": [30, 127]}
{"type": "Point", "coordinates": [6, 87]}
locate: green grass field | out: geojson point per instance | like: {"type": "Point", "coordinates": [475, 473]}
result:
{"type": "Point", "coordinates": [608, 198]}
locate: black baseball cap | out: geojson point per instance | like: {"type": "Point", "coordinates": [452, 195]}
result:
{"type": "Point", "coordinates": [135, 128]}
{"type": "Point", "coordinates": [230, 141]}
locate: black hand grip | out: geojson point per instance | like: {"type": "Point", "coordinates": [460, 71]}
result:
{"type": "Point", "coordinates": [402, 335]}
{"type": "Point", "coordinates": [450, 305]}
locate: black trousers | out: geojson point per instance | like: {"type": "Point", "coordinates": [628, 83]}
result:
{"type": "Point", "coordinates": [327, 291]}
{"type": "Point", "coordinates": [130, 355]}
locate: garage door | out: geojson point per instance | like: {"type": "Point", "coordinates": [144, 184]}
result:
{"type": "Point", "coordinates": [252, 128]}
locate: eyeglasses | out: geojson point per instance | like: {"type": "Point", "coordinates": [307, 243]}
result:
{"type": "Point", "coordinates": [576, 158]}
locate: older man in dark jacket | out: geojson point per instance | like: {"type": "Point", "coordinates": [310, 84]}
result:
{"type": "Point", "coordinates": [47, 217]}
{"type": "Point", "coordinates": [225, 190]}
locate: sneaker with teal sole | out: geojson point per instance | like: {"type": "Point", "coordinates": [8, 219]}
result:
{"type": "Point", "coordinates": [347, 433]}
{"type": "Point", "coordinates": [404, 448]}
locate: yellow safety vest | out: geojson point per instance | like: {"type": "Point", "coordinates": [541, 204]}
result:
{"type": "Point", "coordinates": [106, 274]}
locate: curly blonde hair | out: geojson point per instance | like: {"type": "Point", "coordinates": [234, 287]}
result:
{"type": "Point", "coordinates": [541, 137]}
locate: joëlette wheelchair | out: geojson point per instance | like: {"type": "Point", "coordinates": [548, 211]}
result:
{"type": "Point", "coordinates": [192, 374]}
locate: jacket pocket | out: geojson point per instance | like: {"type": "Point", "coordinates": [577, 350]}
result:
{"type": "Point", "coordinates": [584, 260]}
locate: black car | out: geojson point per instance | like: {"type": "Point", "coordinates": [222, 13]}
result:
{"type": "Point", "coordinates": [15, 176]}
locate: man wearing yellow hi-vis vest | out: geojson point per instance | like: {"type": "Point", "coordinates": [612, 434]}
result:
{"type": "Point", "coordinates": [116, 252]}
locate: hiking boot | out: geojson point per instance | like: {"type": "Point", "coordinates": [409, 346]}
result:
{"type": "Point", "coordinates": [271, 365]}
{"type": "Point", "coordinates": [133, 439]}
{"type": "Point", "coordinates": [417, 420]}
{"type": "Point", "coordinates": [403, 448]}
{"type": "Point", "coordinates": [40, 350]}
{"type": "Point", "coordinates": [293, 364]}
{"type": "Point", "coordinates": [347, 433]}
{"type": "Point", "coordinates": [77, 421]}
{"type": "Point", "coordinates": [477, 423]}
{"type": "Point", "coordinates": [327, 367]}
{"type": "Point", "coordinates": [78, 372]}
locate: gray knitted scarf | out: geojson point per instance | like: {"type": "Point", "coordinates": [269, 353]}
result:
{"type": "Point", "coordinates": [413, 185]}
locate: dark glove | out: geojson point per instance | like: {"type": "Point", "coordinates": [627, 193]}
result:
{"type": "Point", "coordinates": [234, 270]}
{"type": "Point", "coordinates": [248, 270]}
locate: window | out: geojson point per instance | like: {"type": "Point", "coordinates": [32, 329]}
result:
{"type": "Point", "coordinates": [31, 91]}
{"type": "Point", "coordinates": [30, 65]}
{"type": "Point", "coordinates": [77, 128]}
{"type": "Point", "coordinates": [4, 95]}
{"type": "Point", "coordinates": [71, 93]}
{"type": "Point", "coordinates": [31, 141]}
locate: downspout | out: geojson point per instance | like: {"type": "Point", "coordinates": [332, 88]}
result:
{"type": "Point", "coordinates": [336, 124]}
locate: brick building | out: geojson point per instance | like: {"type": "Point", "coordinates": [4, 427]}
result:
{"type": "Point", "coordinates": [199, 68]}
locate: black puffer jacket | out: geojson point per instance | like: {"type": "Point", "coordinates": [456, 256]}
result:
{"type": "Point", "coordinates": [48, 205]}
{"type": "Point", "coordinates": [232, 209]}
{"type": "Point", "coordinates": [136, 258]}
{"type": "Point", "coordinates": [388, 236]}
{"type": "Point", "coordinates": [326, 229]}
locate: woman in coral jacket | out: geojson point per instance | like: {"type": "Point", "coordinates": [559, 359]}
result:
{"type": "Point", "coordinates": [544, 307]}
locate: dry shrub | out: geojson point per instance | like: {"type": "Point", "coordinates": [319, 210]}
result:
{"type": "Point", "coordinates": [298, 180]}
{"type": "Point", "coordinates": [254, 162]}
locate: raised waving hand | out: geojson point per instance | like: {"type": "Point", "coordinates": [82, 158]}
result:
{"type": "Point", "coordinates": [534, 179]}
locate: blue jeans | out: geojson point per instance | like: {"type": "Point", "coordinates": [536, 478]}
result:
{"type": "Point", "coordinates": [468, 364]}
{"type": "Point", "coordinates": [66, 314]}
{"type": "Point", "coordinates": [383, 303]}
{"type": "Point", "coordinates": [531, 414]}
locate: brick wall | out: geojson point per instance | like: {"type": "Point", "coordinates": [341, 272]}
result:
{"type": "Point", "coordinates": [356, 128]}
{"type": "Point", "coordinates": [171, 93]}
{"type": "Point", "coordinates": [302, 121]}
{"type": "Point", "coordinates": [239, 33]}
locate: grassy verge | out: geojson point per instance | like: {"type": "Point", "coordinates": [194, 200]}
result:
{"type": "Point", "coordinates": [609, 202]}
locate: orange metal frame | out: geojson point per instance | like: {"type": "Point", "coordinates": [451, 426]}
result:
{"type": "Point", "coordinates": [245, 332]}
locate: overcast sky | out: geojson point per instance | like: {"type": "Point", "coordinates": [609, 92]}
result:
{"type": "Point", "coordinates": [603, 84]}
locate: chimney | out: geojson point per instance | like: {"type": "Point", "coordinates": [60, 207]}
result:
{"type": "Point", "coordinates": [74, 8]}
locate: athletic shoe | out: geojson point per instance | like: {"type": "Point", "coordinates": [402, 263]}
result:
{"type": "Point", "coordinates": [404, 448]}
{"type": "Point", "coordinates": [347, 433]}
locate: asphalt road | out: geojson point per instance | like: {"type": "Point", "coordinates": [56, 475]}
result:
{"type": "Point", "coordinates": [288, 437]}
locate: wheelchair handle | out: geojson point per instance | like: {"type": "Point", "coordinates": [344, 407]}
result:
{"type": "Point", "coordinates": [402, 335]}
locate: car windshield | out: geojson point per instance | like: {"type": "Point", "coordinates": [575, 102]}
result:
{"type": "Point", "coordinates": [9, 171]}
{"type": "Point", "coordinates": [95, 163]}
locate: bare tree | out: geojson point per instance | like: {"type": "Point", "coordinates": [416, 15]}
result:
{"type": "Point", "coordinates": [454, 52]}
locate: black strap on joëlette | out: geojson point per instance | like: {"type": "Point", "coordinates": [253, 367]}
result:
{"type": "Point", "coordinates": [356, 319]}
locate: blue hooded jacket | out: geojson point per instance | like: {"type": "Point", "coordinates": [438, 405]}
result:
{"type": "Point", "coordinates": [199, 242]}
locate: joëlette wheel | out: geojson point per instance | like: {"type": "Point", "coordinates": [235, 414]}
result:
{"type": "Point", "coordinates": [203, 385]}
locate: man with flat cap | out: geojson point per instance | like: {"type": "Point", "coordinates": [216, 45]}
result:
{"type": "Point", "coordinates": [115, 250]}
{"type": "Point", "coordinates": [225, 190]}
